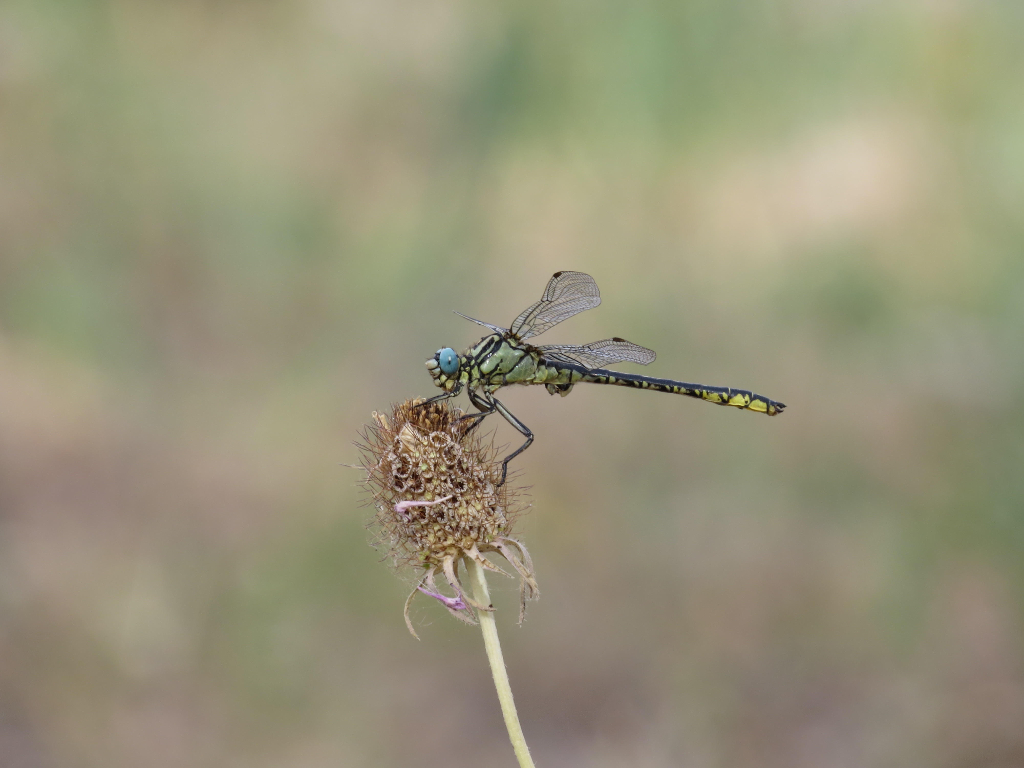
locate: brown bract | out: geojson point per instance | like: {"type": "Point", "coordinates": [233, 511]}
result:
{"type": "Point", "coordinates": [434, 484]}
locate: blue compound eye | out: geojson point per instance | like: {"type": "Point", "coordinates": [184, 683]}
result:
{"type": "Point", "coordinates": [449, 361]}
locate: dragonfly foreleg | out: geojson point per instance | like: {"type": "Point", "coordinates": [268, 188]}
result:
{"type": "Point", "coordinates": [442, 396]}
{"type": "Point", "coordinates": [511, 419]}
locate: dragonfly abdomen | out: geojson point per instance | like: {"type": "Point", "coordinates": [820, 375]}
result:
{"type": "Point", "coordinates": [737, 398]}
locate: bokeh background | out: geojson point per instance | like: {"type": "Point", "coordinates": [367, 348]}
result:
{"type": "Point", "coordinates": [231, 230]}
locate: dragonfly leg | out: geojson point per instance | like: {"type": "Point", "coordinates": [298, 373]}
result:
{"type": "Point", "coordinates": [525, 430]}
{"type": "Point", "coordinates": [484, 405]}
{"type": "Point", "coordinates": [442, 396]}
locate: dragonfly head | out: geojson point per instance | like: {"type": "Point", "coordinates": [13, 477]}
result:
{"type": "Point", "coordinates": [444, 366]}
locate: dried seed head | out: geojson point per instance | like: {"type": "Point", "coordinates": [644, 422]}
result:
{"type": "Point", "coordinates": [435, 489]}
{"type": "Point", "coordinates": [433, 486]}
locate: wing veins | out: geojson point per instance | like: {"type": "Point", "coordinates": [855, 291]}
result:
{"type": "Point", "coordinates": [599, 354]}
{"type": "Point", "coordinates": [567, 294]}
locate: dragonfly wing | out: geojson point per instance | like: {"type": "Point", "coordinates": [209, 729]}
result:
{"type": "Point", "coordinates": [599, 354]}
{"type": "Point", "coordinates": [567, 294]}
{"type": "Point", "coordinates": [494, 328]}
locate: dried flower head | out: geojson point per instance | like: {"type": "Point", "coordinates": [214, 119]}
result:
{"type": "Point", "coordinates": [434, 484]}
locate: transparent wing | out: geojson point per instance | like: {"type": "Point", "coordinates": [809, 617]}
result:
{"type": "Point", "coordinates": [567, 294]}
{"type": "Point", "coordinates": [494, 328]}
{"type": "Point", "coordinates": [599, 354]}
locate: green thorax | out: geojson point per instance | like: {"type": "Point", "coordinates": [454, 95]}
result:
{"type": "Point", "coordinates": [497, 361]}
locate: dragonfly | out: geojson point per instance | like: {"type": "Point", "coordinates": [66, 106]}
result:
{"type": "Point", "coordinates": [504, 357]}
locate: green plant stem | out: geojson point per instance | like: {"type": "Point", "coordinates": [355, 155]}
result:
{"type": "Point", "coordinates": [498, 671]}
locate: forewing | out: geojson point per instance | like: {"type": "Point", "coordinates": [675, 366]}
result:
{"type": "Point", "coordinates": [494, 328]}
{"type": "Point", "coordinates": [567, 294]}
{"type": "Point", "coordinates": [599, 354]}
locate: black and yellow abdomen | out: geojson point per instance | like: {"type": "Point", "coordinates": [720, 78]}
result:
{"type": "Point", "coordinates": [737, 398]}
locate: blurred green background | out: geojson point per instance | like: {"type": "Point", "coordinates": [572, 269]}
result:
{"type": "Point", "coordinates": [231, 230]}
